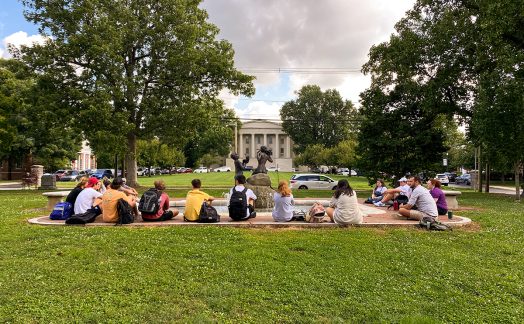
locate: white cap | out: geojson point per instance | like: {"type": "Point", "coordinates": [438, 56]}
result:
{"type": "Point", "coordinates": [403, 179]}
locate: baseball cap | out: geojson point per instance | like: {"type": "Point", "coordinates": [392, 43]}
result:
{"type": "Point", "coordinates": [403, 179]}
{"type": "Point", "coordinates": [92, 182]}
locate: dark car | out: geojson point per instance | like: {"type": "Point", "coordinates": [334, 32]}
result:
{"type": "Point", "coordinates": [101, 173]}
{"type": "Point", "coordinates": [451, 176]}
{"type": "Point", "coordinates": [70, 175]}
{"type": "Point", "coordinates": [58, 174]}
{"type": "Point", "coordinates": [463, 179]}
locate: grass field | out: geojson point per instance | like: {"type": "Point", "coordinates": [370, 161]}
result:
{"type": "Point", "coordinates": [212, 274]}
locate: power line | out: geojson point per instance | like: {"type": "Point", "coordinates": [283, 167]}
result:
{"type": "Point", "coordinates": [300, 70]}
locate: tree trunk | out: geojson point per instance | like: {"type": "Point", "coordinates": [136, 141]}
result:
{"type": "Point", "coordinates": [132, 179]}
{"type": "Point", "coordinates": [488, 175]}
{"type": "Point", "coordinates": [517, 181]}
{"type": "Point", "coordinates": [479, 175]}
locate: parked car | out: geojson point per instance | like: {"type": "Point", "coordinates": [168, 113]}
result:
{"type": "Point", "coordinates": [273, 169]}
{"type": "Point", "coordinates": [165, 171]}
{"type": "Point", "coordinates": [312, 181]}
{"type": "Point", "coordinates": [443, 178]}
{"type": "Point", "coordinates": [200, 170]}
{"type": "Point", "coordinates": [346, 172]}
{"type": "Point", "coordinates": [222, 169]}
{"type": "Point", "coordinates": [69, 175]}
{"type": "Point", "coordinates": [451, 176]}
{"type": "Point", "coordinates": [184, 170]}
{"type": "Point", "coordinates": [463, 179]}
{"type": "Point", "coordinates": [140, 171]}
{"type": "Point", "coordinates": [100, 173]}
{"type": "Point", "coordinates": [59, 173]}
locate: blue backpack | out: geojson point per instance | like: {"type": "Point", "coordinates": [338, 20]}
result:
{"type": "Point", "coordinates": [61, 211]}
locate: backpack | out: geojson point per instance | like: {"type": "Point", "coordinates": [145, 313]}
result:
{"type": "Point", "coordinates": [88, 217]}
{"type": "Point", "coordinates": [61, 211]}
{"type": "Point", "coordinates": [149, 202]}
{"type": "Point", "coordinates": [125, 213]}
{"type": "Point", "coordinates": [402, 199]}
{"type": "Point", "coordinates": [431, 224]}
{"type": "Point", "coordinates": [208, 214]}
{"type": "Point", "coordinates": [316, 213]}
{"type": "Point", "coordinates": [238, 205]}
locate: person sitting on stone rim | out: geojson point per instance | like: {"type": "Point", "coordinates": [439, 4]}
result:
{"type": "Point", "coordinates": [163, 213]}
{"type": "Point", "coordinates": [390, 194]}
{"type": "Point", "coordinates": [422, 199]}
{"type": "Point", "coordinates": [194, 200]}
{"type": "Point", "coordinates": [240, 181]}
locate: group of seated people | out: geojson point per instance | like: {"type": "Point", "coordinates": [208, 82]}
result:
{"type": "Point", "coordinates": [414, 200]}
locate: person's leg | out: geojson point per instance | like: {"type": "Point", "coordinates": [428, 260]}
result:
{"type": "Point", "coordinates": [403, 211]}
{"type": "Point", "coordinates": [415, 214]}
{"type": "Point", "coordinates": [387, 197]}
{"type": "Point", "coordinates": [167, 215]}
{"type": "Point", "coordinates": [330, 211]}
{"type": "Point", "coordinates": [252, 212]}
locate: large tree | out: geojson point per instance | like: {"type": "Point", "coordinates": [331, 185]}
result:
{"type": "Point", "coordinates": [318, 117]}
{"type": "Point", "coordinates": [135, 68]}
{"type": "Point", "coordinates": [34, 126]}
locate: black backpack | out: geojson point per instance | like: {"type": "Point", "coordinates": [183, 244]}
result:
{"type": "Point", "coordinates": [149, 202]}
{"type": "Point", "coordinates": [125, 213]}
{"type": "Point", "coordinates": [208, 214]}
{"type": "Point", "coordinates": [88, 217]}
{"type": "Point", "coordinates": [238, 204]}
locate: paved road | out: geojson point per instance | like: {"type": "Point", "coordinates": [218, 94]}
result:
{"type": "Point", "coordinates": [492, 189]}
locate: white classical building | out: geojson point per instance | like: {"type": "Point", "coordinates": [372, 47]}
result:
{"type": "Point", "coordinates": [255, 134]}
{"type": "Point", "coordinates": [85, 158]}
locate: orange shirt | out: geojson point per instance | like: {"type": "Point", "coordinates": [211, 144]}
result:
{"type": "Point", "coordinates": [109, 203]}
{"type": "Point", "coordinates": [194, 200]}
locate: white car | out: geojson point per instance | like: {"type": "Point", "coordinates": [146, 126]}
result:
{"type": "Point", "coordinates": [222, 169]}
{"type": "Point", "coordinates": [444, 180]}
{"type": "Point", "coordinates": [312, 181]}
{"type": "Point", "coordinates": [346, 171]}
{"type": "Point", "coordinates": [273, 169]}
{"type": "Point", "coordinates": [200, 170]}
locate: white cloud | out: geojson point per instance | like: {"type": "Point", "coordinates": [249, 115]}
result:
{"type": "Point", "coordinates": [306, 34]}
{"type": "Point", "coordinates": [17, 39]}
{"type": "Point", "coordinates": [260, 110]}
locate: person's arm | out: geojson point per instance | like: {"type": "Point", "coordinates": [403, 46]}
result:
{"type": "Point", "coordinates": [333, 202]}
{"type": "Point", "coordinates": [210, 199]}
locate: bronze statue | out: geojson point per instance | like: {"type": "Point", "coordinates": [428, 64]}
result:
{"type": "Point", "coordinates": [263, 155]}
{"type": "Point", "coordinates": [238, 165]}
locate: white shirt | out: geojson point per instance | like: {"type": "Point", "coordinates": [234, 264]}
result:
{"type": "Point", "coordinates": [249, 195]}
{"type": "Point", "coordinates": [85, 200]}
{"type": "Point", "coordinates": [283, 210]}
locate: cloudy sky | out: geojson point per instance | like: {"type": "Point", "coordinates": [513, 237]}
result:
{"type": "Point", "coordinates": [285, 44]}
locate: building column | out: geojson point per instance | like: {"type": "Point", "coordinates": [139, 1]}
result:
{"type": "Point", "coordinates": [265, 140]}
{"type": "Point", "coordinates": [287, 148]}
{"type": "Point", "coordinates": [252, 151]}
{"type": "Point", "coordinates": [241, 146]}
{"type": "Point", "coordinates": [276, 154]}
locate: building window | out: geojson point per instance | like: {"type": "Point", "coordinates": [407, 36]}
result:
{"type": "Point", "coordinates": [270, 140]}
{"type": "Point", "coordinates": [247, 140]}
{"type": "Point", "coordinates": [258, 139]}
{"type": "Point", "coordinates": [282, 140]}
{"type": "Point", "coordinates": [281, 152]}
{"type": "Point", "coordinates": [247, 151]}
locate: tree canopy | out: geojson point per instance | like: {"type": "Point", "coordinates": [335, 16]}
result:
{"type": "Point", "coordinates": [135, 68]}
{"type": "Point", "coordinates": [31, 119]}
{"type": "Point", "coordinates": [318, 117]}
{"type": "Point", "coordinates": [449, 59]}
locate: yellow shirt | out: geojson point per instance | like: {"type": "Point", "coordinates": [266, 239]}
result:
{"type": "Point", "coordinates": [109, 203]}
{"type": "Point", "coordinates": [194, 200]}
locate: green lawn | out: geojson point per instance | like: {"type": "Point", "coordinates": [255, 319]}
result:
{"type": "Point", "coordinates": [209, 274]}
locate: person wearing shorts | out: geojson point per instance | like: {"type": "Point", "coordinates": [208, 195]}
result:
{"type": "Point", "coordinates": [422, 199]}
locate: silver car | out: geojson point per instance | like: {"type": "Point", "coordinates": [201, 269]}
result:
{"type": "Point", "coordinates": [312, 181]}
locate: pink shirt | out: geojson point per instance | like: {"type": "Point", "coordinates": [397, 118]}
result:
{"type": "Point", "coordinates": [164, 205]}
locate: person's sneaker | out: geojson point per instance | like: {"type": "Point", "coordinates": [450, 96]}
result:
{"type": "Point", "coordinates": [253, 215]}
{"type": "Point", "coordinates": [379, 204]}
